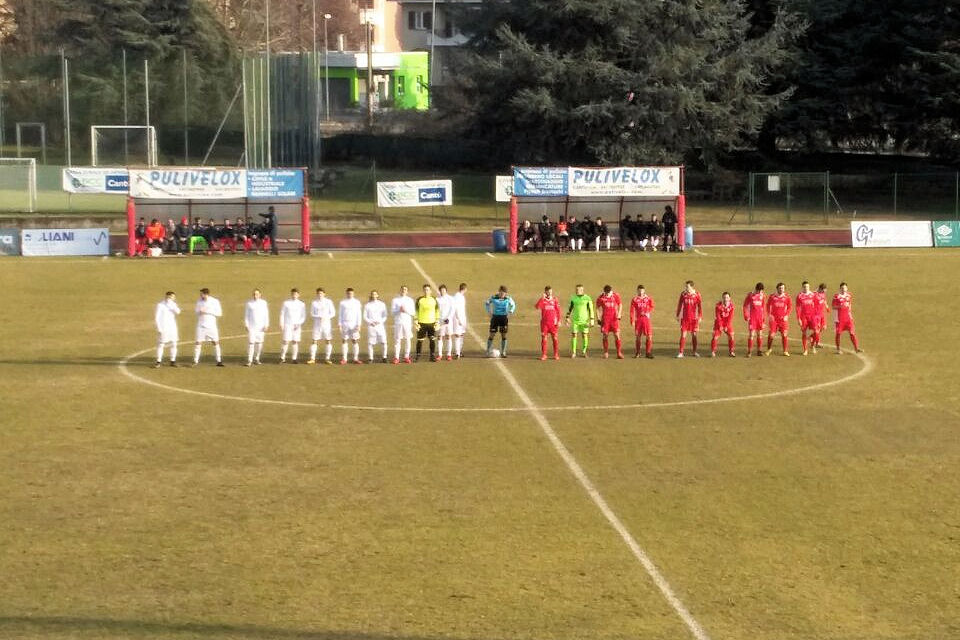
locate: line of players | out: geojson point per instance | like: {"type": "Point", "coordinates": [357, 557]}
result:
{"type": "Point", "coordinates": [444, 318]}
{"type": "Point", "coordinates": [759, 312]}
{"type": "Point", "coordinates": [430, 318]}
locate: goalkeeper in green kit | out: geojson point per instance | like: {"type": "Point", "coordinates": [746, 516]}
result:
{"type": "Point", "coordinates": [580, 317]}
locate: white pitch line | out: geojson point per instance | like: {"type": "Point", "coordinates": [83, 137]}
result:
{"type": "Point", "coordinates": [489, 254]}
{"type": "Point", "coordinates": [697, 251]}
{"type": "Point", "coordinates": [665, 589]}
{"type": "Point", "coordinates": [330, 254]}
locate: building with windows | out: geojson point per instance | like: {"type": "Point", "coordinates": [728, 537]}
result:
{"type": "Point", "coordinates": [418, 29]}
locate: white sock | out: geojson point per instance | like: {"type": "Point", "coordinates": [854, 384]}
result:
{"type": "Point", "coordinates": [449, 345]}
{"type": "Point", "coordinates": [370, 349]}
{"type": "Point", "coordinates": [283, 351]}
{"type": "Point", "coordinates": [396, 349]}
{"type": "Point", "coordinates": [250, 349]}
{"type": "Point", "coordinates": [159, 351]}
{"type": "Point", "coordinates": [386, 350]}
{"type": "Point", "coordinates": [313, 351]}
{"type": "Point", "coordinates": [296, 350]}
{"type": "Point", "coordinates": [407, 348]}
{"type": "Point", "coordinates": [344, 350]}
{"type": "Point", "coordinates": [173, 352]}
{"type": "Point", "coordinates": [596, 243]}
{"type": "Point", "coordinates": [356, 350]}
{"type": "Point", "coordinates": [259, 351]}
{"type": "Point", "coordinates": [196, 353]}
{"type": "Point", "coordinates": [459, 345]}
{"type": "Point", "coordinates": [608, 243]}
{"type": "Point", "coordinates": [329, 350]}
{"type": "Point", "coordinates": [579, 244]}
{"type": "Point", "coordinates": [643, 243]}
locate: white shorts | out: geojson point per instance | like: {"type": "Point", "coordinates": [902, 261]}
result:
{"type": "Point", "coordinates": [403, 330]}
{"type": "Point", "coordinates": [444, 330]}
{"type": "Point", "coordinates": [291, 333]}
{"type": "Point", "coordinates": [322, 331]}
{"type": "Point", "coordinates": [377, 334]}
{"type": "Point", "coordinates": [350, 333]}
{"type": "Point", "coordinates": [456, 327]}
{"type": "Point", "coordinates": [255, 336]}
{"type": "Point", "coordinates": [208, 333]}
{"type": "Point", "coordinates": [168, 336]}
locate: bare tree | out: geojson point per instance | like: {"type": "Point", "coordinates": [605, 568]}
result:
{"type": "Point", "coordinates": [291, 22]}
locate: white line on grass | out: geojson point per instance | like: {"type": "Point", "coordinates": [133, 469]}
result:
{"type": "Point", "coordinates": [330, 254]}
{"type": "Point", "coordinates": [595, 495]}
{"type": "Point", "coordinates": [489, 254]}
{"type": "Point", "coordinates": [701, 253]}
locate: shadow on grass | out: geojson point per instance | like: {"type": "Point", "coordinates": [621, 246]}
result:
{"type": "Point", "coordinates": [41, 626]}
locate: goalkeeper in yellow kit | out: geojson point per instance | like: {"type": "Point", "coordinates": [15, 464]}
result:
{"type": "Point", "coordinates": [580, 317]}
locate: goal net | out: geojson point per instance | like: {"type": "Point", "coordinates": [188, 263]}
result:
{"type": "Point", "coordinates": [122, 146]}
{"type": "Point", "coordinates": [18, 184]}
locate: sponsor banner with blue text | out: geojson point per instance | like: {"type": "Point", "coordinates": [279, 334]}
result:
{"type": "Point", "coordinates": [624, 181]}
{"type": "Point", "coordinates": [188, 184]}
{"type": "Point", "coordinates": [9, 242]}
{"type": "Point", "coordinates": [916, 233]}
{"type": "Point", "coordinates": [540, 181]}
{"type": "Point", "coordinates": [65, 242]}
{"type": "Point", "coordinates": [274, 183]}
{"type": "Point", "coordinates": [423, 193]}
{"type": "Point", "coordinates": [96, 180]}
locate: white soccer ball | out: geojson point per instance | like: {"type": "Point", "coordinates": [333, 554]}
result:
{"type": "Point", "coordinates": [494, 353]}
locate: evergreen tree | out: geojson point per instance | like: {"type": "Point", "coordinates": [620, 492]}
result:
{"type": "Point", "coordinates": [617, 81]}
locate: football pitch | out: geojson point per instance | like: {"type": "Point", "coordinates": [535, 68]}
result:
{"type": "Point", "coordinates": [763, 499]}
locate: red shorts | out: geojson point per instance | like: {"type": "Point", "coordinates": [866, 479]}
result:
{"type": "Point", "coordinates": [609, 326]}
{"type": "Point", "coordinates": [845, 325]}
{"type": "Point", "coordinates": [809, 324]}
{"type": "Point", "coordinates": [755, 323]}
{"type": "Point", "coordinates": [549, 328]}
{"type": "Point", "coordinates": [690, 325]}
{"type": "Point", "coordinates": [779, 325]}
{"type": "Point", "coordinates": [723, 328]}
{"type": "Point", "coordinates": [643, 326]}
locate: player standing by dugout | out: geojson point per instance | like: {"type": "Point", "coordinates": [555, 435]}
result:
{"type": "Point", "coordinates": [500, 306]}
{"type": "Point", "coordinates": [641, 309]}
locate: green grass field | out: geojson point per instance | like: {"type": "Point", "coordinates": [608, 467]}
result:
{"type": "Point", "coordinates": [335, 512]}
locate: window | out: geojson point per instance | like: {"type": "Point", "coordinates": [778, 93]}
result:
{"type": "Point", "coordinates": [401, 85]}
{"type": "Point", "coordinates": [420, 20]}
{"type": "Point", "coordinates": [448, 27]}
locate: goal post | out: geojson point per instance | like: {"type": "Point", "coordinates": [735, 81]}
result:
{"type": "Point", "coordinates": [18, 184]}
{"type": "Point", "coordinates": [41, 128]}
{"type": "Point", "coordinates": [123, 145]}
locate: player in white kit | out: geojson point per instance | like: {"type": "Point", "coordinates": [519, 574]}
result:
{"type": "Point", "coordinates": [256, 318]}
{"type": "Point", "coordinates": [165, 318]}
{"type": "Point", "coordinates": [208, 309]}
{"type": "Point", "coordinates": [375, 315]}
{"type": "Point", "coordinates": [445, 324]}
{"type": "Point", "coordinates": [293, 314]}
{"type": "Point", "coordinates": [323, 313]}
{"type": "Point", "coordinates": [402, 309]}
{"type": "Point", "coordinates": [349, 318]}
{"type": "Point", "coordinates": [458, 321]}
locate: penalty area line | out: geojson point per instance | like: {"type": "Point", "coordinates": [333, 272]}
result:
{"type": "Point", "coordinates": [596, 497]}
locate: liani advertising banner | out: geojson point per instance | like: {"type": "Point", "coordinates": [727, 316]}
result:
{"type": "Point", "coordinates": [9, 242]}
{"type": "Point", "coordinates": [96, 180]}
{"type": "Point", "coordinates": [866, 234]}
{"type": "Point", "coordinates": [946, 233]}
{"type": "Point", "coordinates": [65, 242]}
{"type": "Point", "coordinates": [423, 193]}
{"type": "Point", "coordinates": [593, 181]}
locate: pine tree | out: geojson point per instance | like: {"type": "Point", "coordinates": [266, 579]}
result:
{"type": "Point", "coordinates": [617, 81]}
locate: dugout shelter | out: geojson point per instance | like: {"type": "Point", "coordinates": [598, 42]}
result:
{"type": "Point", "coordinates": [218, 193]}
{"type": "Point", "coordinates": [611, 193]}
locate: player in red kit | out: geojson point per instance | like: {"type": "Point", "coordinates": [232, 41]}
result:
{"type": "Point", "coordinates": [641, 308]}
{"type": "Point", "coordinates": [754, 309]}
{"type": "Point", "coordinates": [807, 317]}
{"type": "Point", "coordinates": [823, 310]}
{"type": "Point", "coordinates": [549, 307]}
{"type": "Point", "coordinates": [779, 306]}
{"type": "Point", "coordinates": [689, 313]}
{"type": "Point", "coordinates": [723, 323]}
{"type": "Point", "coordinates": [843, 317]}
{"type": "Point", "coordinates": [609, 309]}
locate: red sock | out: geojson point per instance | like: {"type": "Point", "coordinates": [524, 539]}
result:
{"type": "Point", "coordinates": [750, 344]}
{"type": "Point", "coordinates": [783, 340]}
{"type": "Point", "coordinates": [638, 345]}
{"type": "Point", "coordinates": [730, 342]}
{"type": "Point", "coordinates": [649, 345]}
{"type": "Point", "coordinates": [556, 344]}
{"type": "Point", "coordinates": [606, 344]}
{"type": "Point", "coordinates": [713, 343]}
{"type": "Point", "coordinates": [769, 341]}
{"type": "Point", "coordinates": [838, 340]}
{"type": "Point", "coordinates": [694, 339]}
{"type": "Point", "coordinates": [683, 343]}
{"type": "Point", "coordinates": [619, 346]}
{"type": "Point", "coordinates": [816, 338]}
{"type": "Point", "coordinates": [856, 343]}
{"type": "Point", "coordinates": [543, 346]}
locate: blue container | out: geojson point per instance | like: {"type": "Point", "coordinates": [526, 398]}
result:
{"type": "Point", "coordinates": [499, 240]}
{"type": "Point", "coordinates": [688, 236]}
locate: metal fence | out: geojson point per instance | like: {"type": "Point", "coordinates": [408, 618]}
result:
{"type": "Point", "coordinates": [828, 198]}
